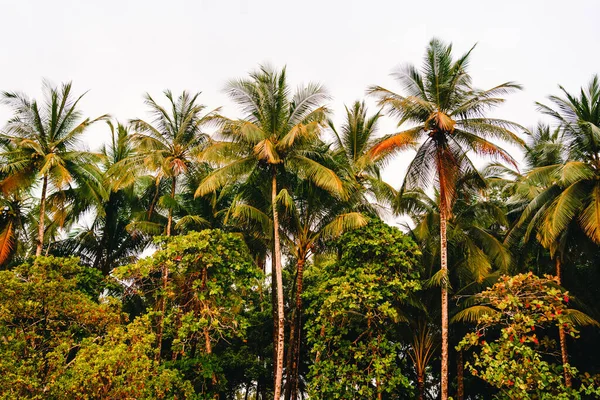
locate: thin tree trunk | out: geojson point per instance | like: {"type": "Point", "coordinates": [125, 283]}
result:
{"type": "Point", "coordinates": [154, 200]}
{"type": "Point", "coordinates": [460, 370]}
{"type": "Point", "coordinates": [163, 303]}
{"type": "Point", "coordinates": [274, 311]}
{"type": "Point", "coordinates": [207, 342]}
{"type": "Point", "coordinates": [170, 219]}
{"type": "Point", "coordinates": [288, 364]}
{"type": "Point", "coordinates": [444, 267]}
{"type": "Point", "coordinates": [293, 362]}
{"type": "Point", "coordinates": [208, 348]}
{"type": "Point", "coordinates": [247, 390]}
{"type": "Point", "coordinates": [279, 282]}
{"type": "Point", "coordinates": [562, 335]}
{"type": "Point", "coordinates": [321, 335]}
{"type": "Point", "coordinates": [298, 334]}
{"type": "Point", "coordinates": [42, 221]}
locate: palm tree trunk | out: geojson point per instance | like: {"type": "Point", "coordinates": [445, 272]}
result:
{"type": "Point", "coordinates": [170, 219]}
{"type": "Point", "coordinates": [279, 282]}
{"type": "Point", "coordinates": [421, 386]}
{"type": "Point", "coordinates": [562, 335]}
{"type": "Point", "coordinates": [288, 364]}
{"type": "Point", "coordinates": [444, 267]}
{"type": "Point", "coordinates": [42, 221]}
{"type": "Point", "coordinates": [154, 200]}
{"type": "Point", "coordinates": [274, 312]}
{"type": "Point", "coordinates": [293, 365]}
{"type": "Point", "coordinates": [460, 371]}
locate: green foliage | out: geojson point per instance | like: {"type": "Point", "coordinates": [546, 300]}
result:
{"type": "Point", "coordinates": [197, 289]}
{"type": "Point", "coordinates": [44, 319]}
{"type": "Point", "coordinates": [202, 316]}
{"type": "Point", "coordinates": [121, 365]}
{"type": "Point", "coordinates": [519, 361]}
{"type": "Point", "coordinates": [356, 303]}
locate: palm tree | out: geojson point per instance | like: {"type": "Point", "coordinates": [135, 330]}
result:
{"type": "Point", "coordinates": [106, 243]}
{"type": "Point", "coordinates": [15, 216]}
{"type": "Point", "coordinates": [449, 115]}
{"type": "Point", "coordinates": [574, 190]}
{"type": "Point", "coordinates": [311, 216]}
{"type": "Point", "coordinates": [475, 250]}
{"type": "Point", "coordinates": [570, 194]}
{"type": "Point", "coordinates": [353, 141]}
{"type": "Point", "coordinates": [474, 231]}
{"type": "Point", "coordinates": [277, 134]}
{"type": "Point", "coordinates": [167, 147]}
{"type": "Point", "coordinates": [40, 143]}
{"type": "Point", "coordinates": [422, 350]}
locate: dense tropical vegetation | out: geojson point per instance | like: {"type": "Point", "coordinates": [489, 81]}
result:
{"type": "Point", "coordinates": [204, 256]}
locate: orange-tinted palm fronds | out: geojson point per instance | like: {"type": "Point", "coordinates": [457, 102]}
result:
{"type": "Point", "coordinates": [400, 141]}
{"type": "Point", "coordinates": [6, 241]}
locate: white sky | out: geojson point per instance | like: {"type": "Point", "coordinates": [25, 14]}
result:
{"type": "Point", "coordinates": [122, 49]}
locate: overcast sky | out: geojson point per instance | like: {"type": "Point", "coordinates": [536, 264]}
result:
{"type": "Point", "coordinates": [120, 49]}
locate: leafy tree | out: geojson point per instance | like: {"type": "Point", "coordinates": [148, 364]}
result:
{"type": "Point", "coordinates": [355, 304]}
{"type": "Point", "coordinates": [518, 360]}
{"type": "Point", "coordinates": [450, 116]}
{"type": "Point", "coordinates": [210, 274]}
{"type": "Point", "coordinates": [45, 316]}
{"type": "Point", "coordinates": [277, 133]}
{"type": "Point", "coordinates": [121, 365]}
{"type": "Point", "coordinates": [40, 142]}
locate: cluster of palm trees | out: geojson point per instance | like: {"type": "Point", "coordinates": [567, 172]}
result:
{"type": "Point", "coordinates": [272, 176]}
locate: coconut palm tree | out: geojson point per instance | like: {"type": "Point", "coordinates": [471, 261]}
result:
{"type": "Point", "coordinates": [166, 147]}
{"type": "Point", "coordinates": [310, 216]}
{"type": "Point", "coordinates": [106, 243]}
{"type": "Point", "coordinates": [353, 141]}
{"type": "Point", "coordinates": [448, 118]}
{"type": "Point", "coordinates": [276, 134]}
{"type": "Point", "coordinates": [573, 190]}
{"type": "Point", "coordinates": [40, 143]}
{"type": "Point", "coordinates": [569, 181]}
{"type": "Point", "coordinates": [15, 217]}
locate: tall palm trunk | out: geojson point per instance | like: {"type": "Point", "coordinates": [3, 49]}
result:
{"type": "Point", "coordinates": [170, 218]}
{"type": "Point", "coordinates": [279, 283]}
{"type": "Point", "coordinates": [562, 335]}
{"type": "Point", "coordinates": [165, 281]}
{"type": "Point", "coordinates": [444, 268]}
{"type": "Point", "coordinates": [154, 200]}
{"type": "Point", "coordinates": [293, 364]}
{"type": "Point", "coordinates": [42, 221]}
{"type": "Point", "coordinates": [460, 371]}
